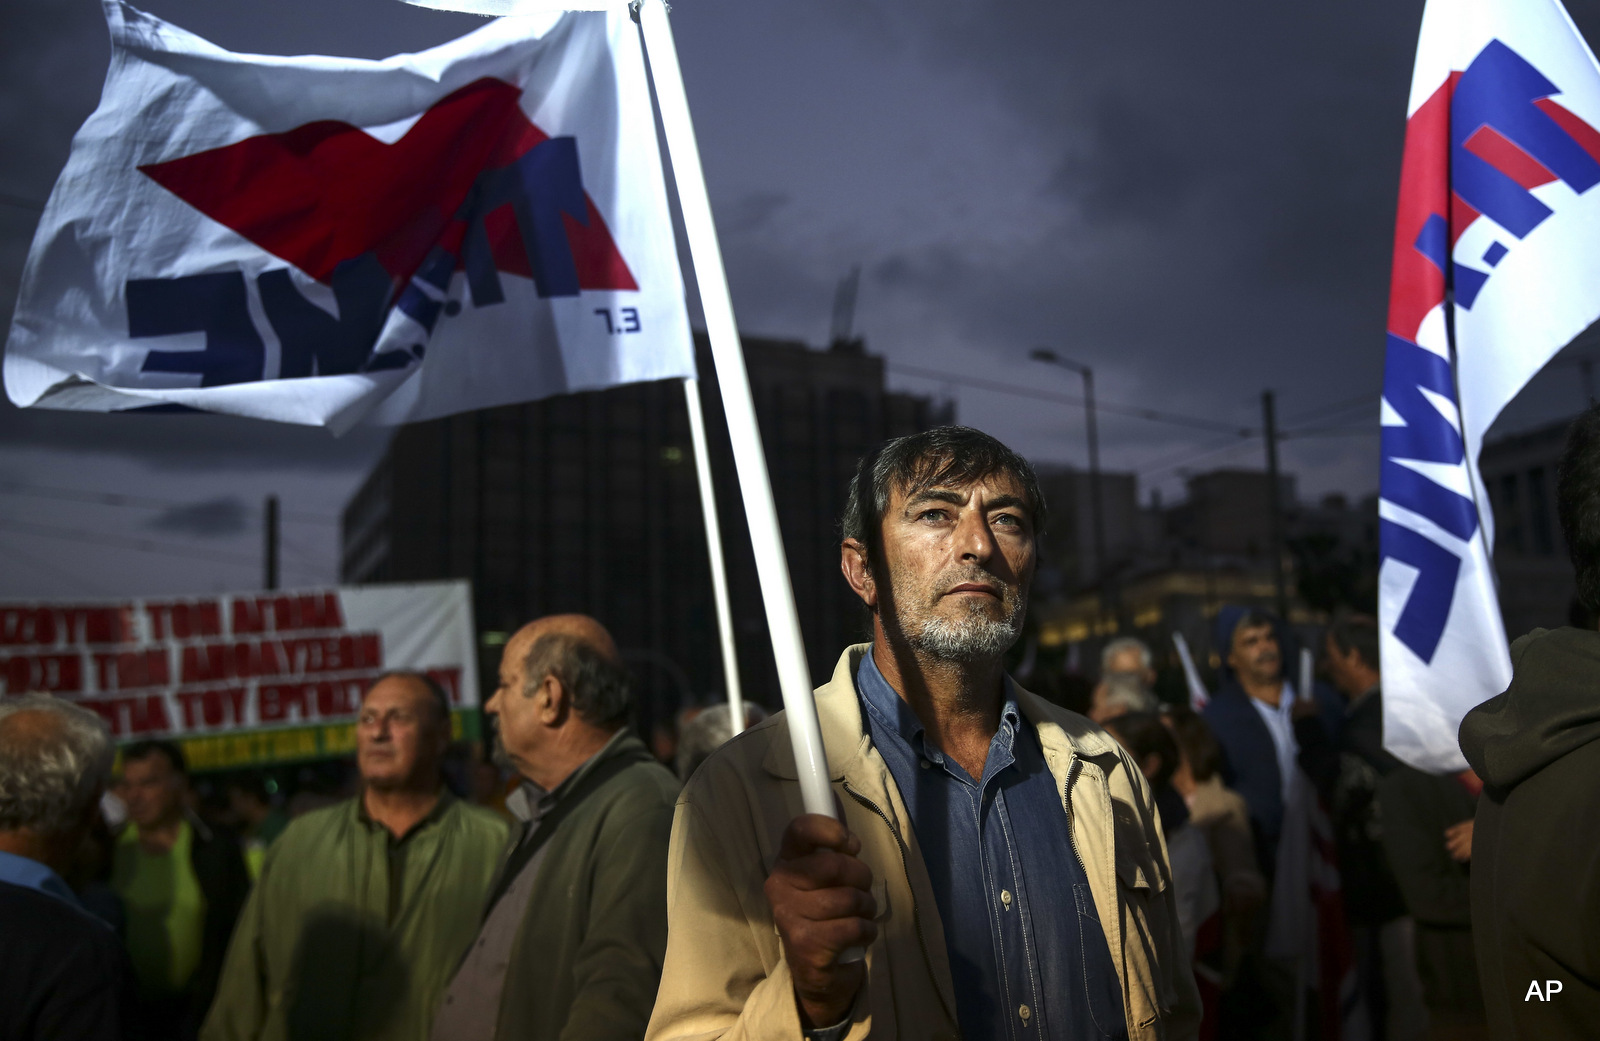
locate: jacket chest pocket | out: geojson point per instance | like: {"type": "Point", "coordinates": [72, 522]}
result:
{"type": "Point", "coordinates": [1102, 989]}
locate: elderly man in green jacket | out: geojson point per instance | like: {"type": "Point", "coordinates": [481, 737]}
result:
{"type": "Point", "coordinates": [364, 909]}
{"type": "Point", "coordinates": [576, 924]}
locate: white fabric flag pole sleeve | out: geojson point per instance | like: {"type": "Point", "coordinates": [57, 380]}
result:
{"type": "Point", "coordinates": [1198, 697]}
{"type": "Point", "coordinates": [783, 622]}
{"type": "Point", "coordinates": [719, 570]}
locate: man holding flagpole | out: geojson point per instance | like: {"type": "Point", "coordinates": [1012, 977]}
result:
{"type": "Point", "coordinates": [998, 859]}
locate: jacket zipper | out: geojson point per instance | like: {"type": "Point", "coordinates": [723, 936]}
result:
{"type": "Point", "coordinates": [905, 867]}
{"type": "Point", "coordinates": [1066, 798]}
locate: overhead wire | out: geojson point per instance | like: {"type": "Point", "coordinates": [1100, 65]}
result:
{"type": "Point", "coordinates": [1116, 408]}
{"type": "Point", "coordinates": [1241, 433]}
{"type": "Point", "coordinates": [20, 202]}
{"type": "Point", "coordinates": [51, 531]}
{"type": "Point", "coordinates": [57, 573]}
{"type": "Point", "coordinates": [138, 501]}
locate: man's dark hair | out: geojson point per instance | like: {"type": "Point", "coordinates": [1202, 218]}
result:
{"type": "Point", "coordinates": [1199, 745]}
{"type": "Point", "coordinates": [1146, 735]}
{"type": "Point", "coordinates": [167, 750]}
{"type": "Point", "coordinates": [1578, 503]}
{"type": "Point", "coordinates": [601, 687]}
{"type": "Point", "coordinates": [1356, 632]}
{"type": "Point", "coordinates": [436, 691]}
{"type": "Point", "coordinates": [914, 463]}
{"type": "Point", "coordinates": [1254, 619]}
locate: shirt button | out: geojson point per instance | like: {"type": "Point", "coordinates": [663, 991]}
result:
{"type": "Point", "coordinates": [1005, 898]}
{"type": "Point", "coordinates": [926, 764]}
{"type": "Point", "coordinates": [1024, 1012]}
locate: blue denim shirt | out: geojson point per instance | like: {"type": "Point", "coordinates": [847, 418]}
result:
{"type": "Point", "coordinates": [1028, 956]}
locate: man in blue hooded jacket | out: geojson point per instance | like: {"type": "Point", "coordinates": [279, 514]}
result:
{"type": "Point", "coordinates": [1253, 716]}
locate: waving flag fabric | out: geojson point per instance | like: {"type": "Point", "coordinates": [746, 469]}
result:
{"type": "Point", "coordinates": [331, 241]}
{"type": "Point", "coordinates": [1496, 267]}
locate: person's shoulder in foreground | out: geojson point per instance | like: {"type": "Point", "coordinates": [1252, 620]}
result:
{"type": "Point", "coordinates": [1535, 879]}
{"type": "Point", "coordinates": [61, 971]}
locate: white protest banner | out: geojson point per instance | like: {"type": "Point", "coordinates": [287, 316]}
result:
{"type": "Point", "coordinates": [329, 241]}
{"type": "Point", "coordinates": [242, 678]}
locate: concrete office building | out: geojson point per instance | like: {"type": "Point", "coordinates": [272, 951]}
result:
{"type": "Point", "coordinates": [1537, 588]}
{"type": "Point", "coordinates": [588, 502]}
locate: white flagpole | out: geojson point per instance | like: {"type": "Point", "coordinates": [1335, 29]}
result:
{"type": "Point", "coordinates": [1198, 697]}
{"type": "Point", "coordinates": [719, 570]}
{"type": "Point", "coordinates": [1307, 674]}
{"type": "Point", "coordinates": [783, 622]}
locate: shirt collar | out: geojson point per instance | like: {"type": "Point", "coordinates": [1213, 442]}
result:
{"type": "Point", "coordinates": [446, 797]}
{"type": "Point", "coordinates": [890, 710]}
{"type": "Point", "coordinates": [1285, 705]}
{"type": "Point", "coordinates": [30, 874]}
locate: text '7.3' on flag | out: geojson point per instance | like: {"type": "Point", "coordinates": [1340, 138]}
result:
{"type": "Point", "coordinates": [331, 241]}
{"type": "Point", "coordinates": [1496, 268]}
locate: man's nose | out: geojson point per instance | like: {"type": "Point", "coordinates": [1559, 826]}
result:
{"type": "Point", "coordinates": [973, 537]}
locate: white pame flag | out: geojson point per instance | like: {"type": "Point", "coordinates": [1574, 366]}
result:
{"type": "Point", "coordinates": [1496, 267]}
{"type": "Point", "coordinates": [332, 241]}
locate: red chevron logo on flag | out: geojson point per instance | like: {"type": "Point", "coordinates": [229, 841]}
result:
{"type": "Point", "coordinates": [327, 192]}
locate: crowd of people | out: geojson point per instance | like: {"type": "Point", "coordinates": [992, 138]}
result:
{"type": "Point", "coordinates": [1000, 866]}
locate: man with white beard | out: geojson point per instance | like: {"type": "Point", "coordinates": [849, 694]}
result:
{"type": "Point", "coordinates": [999, 859]}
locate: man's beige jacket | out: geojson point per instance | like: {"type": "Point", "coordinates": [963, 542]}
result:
{"type": "Point", "coordinates": [725, 975]}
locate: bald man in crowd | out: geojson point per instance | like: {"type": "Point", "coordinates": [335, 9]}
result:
{"type": "Point", "coordinates": [364, 908]}
{"type": "Point", "coordinates": [576, 924]}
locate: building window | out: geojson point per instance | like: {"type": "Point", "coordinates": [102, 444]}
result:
{"type": "Point", "coordinates": [1511, 515]}
{"type": "Point", "coordinates": [1544, 539]}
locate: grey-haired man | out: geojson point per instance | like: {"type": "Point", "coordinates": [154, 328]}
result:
{"type": "Point", "coordinates": [63, 974]}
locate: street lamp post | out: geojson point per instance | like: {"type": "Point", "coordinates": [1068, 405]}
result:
{"type": "Point", "coordinates": [1096, 508]}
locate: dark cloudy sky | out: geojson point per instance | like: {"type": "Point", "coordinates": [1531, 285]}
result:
{"type": "Point", "coordinates": [1196, 199]}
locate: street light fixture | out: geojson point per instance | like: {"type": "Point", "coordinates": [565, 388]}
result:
{"type": "Point", "coordinates": [1097, 511]}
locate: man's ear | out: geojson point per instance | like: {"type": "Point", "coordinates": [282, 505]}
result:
{"type": "Point", "coordinates": [853, 562]}
{"type": "Point", "coordinates": [551, 701]}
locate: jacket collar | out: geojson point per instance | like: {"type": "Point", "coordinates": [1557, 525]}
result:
{"type": "Point", "coordinates": [530, 802]}
{"type": "Point", "coordinates": [845, 741]}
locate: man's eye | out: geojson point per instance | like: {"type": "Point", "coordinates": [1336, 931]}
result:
{"type": "Point", "coordinates": [1008, 520]}
{"type": "Point", "coordinates": [932, 515]}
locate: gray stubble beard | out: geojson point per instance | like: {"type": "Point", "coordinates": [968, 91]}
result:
{"type": "Point", "coordinates": [973, 638]}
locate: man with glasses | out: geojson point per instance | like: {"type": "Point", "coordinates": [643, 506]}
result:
{"type": "Point", "coordinates": [364, 909]}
